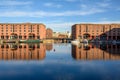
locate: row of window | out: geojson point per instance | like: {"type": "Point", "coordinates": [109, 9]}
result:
{"type": "Point", "coordinates": [20, 37]}
{"type": "Point", "coordinates": [108, 33]}
{"type": "Point", "coordinates": [20, 30]}
{"type": "Point", "coordinates": [99, 31]}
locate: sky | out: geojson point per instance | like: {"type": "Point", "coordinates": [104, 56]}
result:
{"type": "Point", "coordinates": [60, 15]}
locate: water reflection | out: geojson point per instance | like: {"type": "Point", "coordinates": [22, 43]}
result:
{"type": "Point", "coordinates": [23, 51]}
{"type": "Point", "coordinates": [49, 47]}
{"type": "Point", "coordinates": [41, 62]}
{"type": "Point", "coordinates": [96, 52]}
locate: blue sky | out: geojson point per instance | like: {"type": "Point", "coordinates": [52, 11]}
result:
{"type": "Point", "coordinates": [60, 15]}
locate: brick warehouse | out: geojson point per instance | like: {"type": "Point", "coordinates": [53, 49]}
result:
{"type": "Point", "coordinates": [22, 31]}
{"type": "Point", "coordinates": [96, 31]}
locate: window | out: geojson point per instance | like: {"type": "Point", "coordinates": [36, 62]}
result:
{"type": "Point", "coordinates": [38, 27]}
{"type": "Point", "coordinates": [2, 37]}
{"type": "Point", "coordinates": [20, 37]}
{"type": "Point", "coordinates": [80, 30]}
{"type": "Point", "coordinates": [38, 37]}
{"type": "Point", "coordinates": [25, 37]}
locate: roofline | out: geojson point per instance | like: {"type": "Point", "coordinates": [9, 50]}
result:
{"type": "Point", "coordinates": [97, 24]}
{"type": "Point", "coordinates": [25, 23]}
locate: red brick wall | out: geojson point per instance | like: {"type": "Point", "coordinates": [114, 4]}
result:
{"type": "Point", "coordinates": [95, 30]}
{"type": "Point", "coordinates": [49, 33]}
{"type": "Point", "coordinates": [23, 29]}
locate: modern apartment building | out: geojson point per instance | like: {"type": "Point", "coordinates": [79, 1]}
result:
{"type": "Point", "coordinates": [96, 31]}
{"type": "Point", "coordinates": [22, 31]}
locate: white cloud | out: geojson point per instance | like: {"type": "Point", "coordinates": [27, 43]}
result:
{"type": "Point", "coordinates": [71, 0]}
{"type": "Point", "coordinates": [68, 0]}
{"type": "Point", "coordinates": [103, 19]}
{"type": "Point", "coordinates": [49, 14]}
{"type": "Point", "coordinates": [83, 6]}
{"type": "Point", "coordinates": [60, 25]}
{"type": "Point", "coordinates": [107, 22]}
{"type": "Point", "coordinates": [52, 5]}
{"type": "Point", "coordinates": [106, 0]}
{"type": "Point", "coordinates": [69, 24]}
{"type": "Point", "coordinates": [104, 5]}
{"type": "Point", "coordinates": [14, 3]}
{"type": "Point", "coordinates": [118, 9]}
{"type": "Point", "coordinates": [63, 26]}
{"type": "Point", "coordinates": [98, 5]}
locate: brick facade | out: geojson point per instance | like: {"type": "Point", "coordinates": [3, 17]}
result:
{"type": "Point", "coordinates": [22, 31]}
{"type": "Point", "coordinates": [49, 33]}
{"type": "Point", "coordinates": [93, 31]}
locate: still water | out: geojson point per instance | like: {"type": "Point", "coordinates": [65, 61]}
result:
{"type": "Point", "coordinates": [59, 62]}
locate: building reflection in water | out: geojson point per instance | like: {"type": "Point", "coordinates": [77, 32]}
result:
{"type": "Point", "coordinates": [49, 46]}
{"type": "Point", "coordinates": [96, 52]}
{"type": "Point", "coordinates": [22, 51]}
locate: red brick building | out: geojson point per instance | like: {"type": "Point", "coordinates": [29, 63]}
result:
{"type": "Point", "coordinates": [22, 31]}
{"type": "Point", "coordinates": [49, 33]}
{"type": "Point", "coordinates": [96, 31]}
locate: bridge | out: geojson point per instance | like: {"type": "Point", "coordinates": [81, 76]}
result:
{"type": "Point", "coordinates": [63, 40]}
